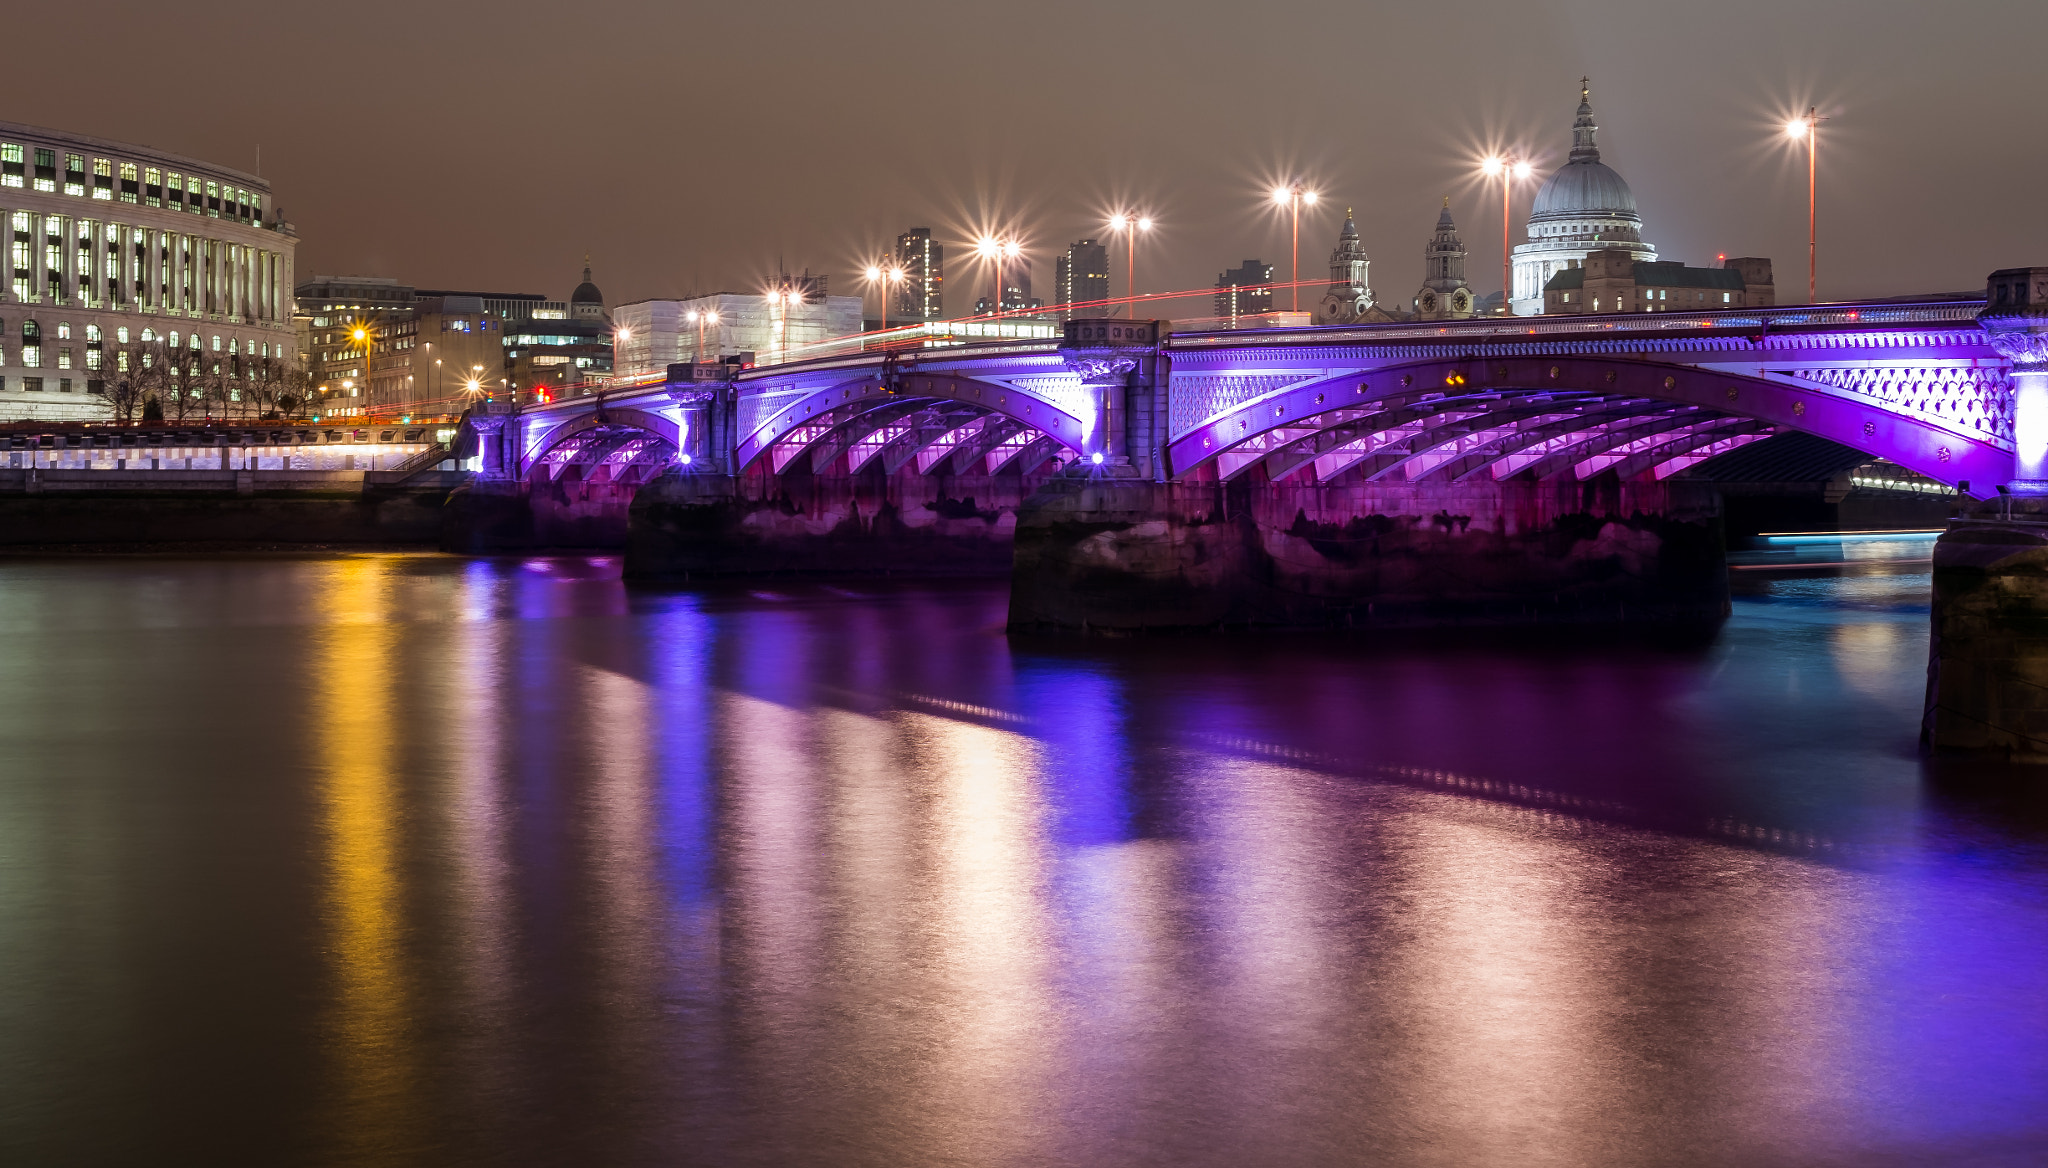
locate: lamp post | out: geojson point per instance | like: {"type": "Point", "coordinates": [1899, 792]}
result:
{"type": "Point", "coordinates": [1507, 169]}
{"type": "Point", "coordinates": [1807, 127]}
{"type": "Point", "coordinates": [995, 251]}
{"type": "Point", "coordinates": [702, 318]}
{"type": "Point", "coordinates": [881, 278]}
{"type": "Point", "coordinates": [1293, 196]}
{"type": "Point", "coordinates": [1130, 225]}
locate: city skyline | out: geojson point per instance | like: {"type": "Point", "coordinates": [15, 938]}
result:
{"type": "Point", "coordinates": [594, 154]}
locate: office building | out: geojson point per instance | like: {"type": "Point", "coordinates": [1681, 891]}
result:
{"type": "Point", "coordinates": [921, 294]}
{"type": "Point", "coordinates": [1245, 290]}
{"type": "Point", "coordinates": [1081, 276]}
{"type": "Point", "coordinates": [114, 249]}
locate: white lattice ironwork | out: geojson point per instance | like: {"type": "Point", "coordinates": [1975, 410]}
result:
{"type": "Point", "coordinates": [1196, 398]}
{"type": "Point", "coordinates": [1971, 399]}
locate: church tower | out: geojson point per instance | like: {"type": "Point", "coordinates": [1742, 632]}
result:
{"type": "Point", "coordinates": [1444, 294]}
{"type": "Point", "coordinates": [1349, 297]}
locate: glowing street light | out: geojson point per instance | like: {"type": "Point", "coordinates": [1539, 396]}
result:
{"type": "Point", "coordinates": [881, 278]}
{"type": "Point", "coordinates": [995, 251]}
{"type": "Point", "coordinates": [702, 319]}
{"type": "Point", "coordinates": [1130, 225]}
{"type": "Point", "coordinates": [1806, 127]}
{"type": "Point", "coordinates": [1506, 169]}
{"type": "Point", "coordinates": [1293, 196]}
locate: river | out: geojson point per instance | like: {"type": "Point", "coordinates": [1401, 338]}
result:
{"type": "Point", "coordinates": [411, 859]}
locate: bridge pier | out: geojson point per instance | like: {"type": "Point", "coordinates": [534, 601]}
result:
{"type": "Point", "coordinates": [1103, 554]}
{"type": "Point", "coordinates": [1987, 668]}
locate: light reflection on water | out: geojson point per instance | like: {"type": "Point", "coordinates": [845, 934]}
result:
{"type": "Point", "coordinates": [410, 859]}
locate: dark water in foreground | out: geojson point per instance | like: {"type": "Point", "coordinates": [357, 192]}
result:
{"type": "Point", "coordinates": [415, 860]}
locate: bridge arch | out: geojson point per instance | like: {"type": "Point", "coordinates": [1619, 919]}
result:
{"type": "Point", "coordinates": [914, 417]}
{"type": "Point", "coordinates": [616, 443]}
{"type": "Point", "coordinates": [1465, 417]}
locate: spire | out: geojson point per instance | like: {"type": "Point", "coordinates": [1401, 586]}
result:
{"type": "Point", "coordinates": [1443, 218]}
{"type": "Point", "coordinates": [1350, 229]}
{"type": "Point", "coordinates": [1583, 148]}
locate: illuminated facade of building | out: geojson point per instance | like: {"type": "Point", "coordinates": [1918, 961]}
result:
{"type": "Point", "coordinates": [117, 254]}
{"type": "Point", "coordinates": [1081, 276]}
{"type": "Point", "coordinates": [1613, 280]}
{"type": "Point", "coordinates": [921, 294]}
{"type": "Point", "coordinates": [376, 347]}
{"type": "Point", "coordinates": [1582, 208]}
{"type": "Point", "coordinates": [665, 331]}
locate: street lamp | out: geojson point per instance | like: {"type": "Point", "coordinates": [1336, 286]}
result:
{"type": "Point", "coordinates": [1130, 226]}
{"type": "Point", "coordinates": [881, 277]}
{"type": "Point", "coordinates": [1507, 169]}
{"type": "Point", "coordinates": [1293, 196]}
{"type": "Point", "coordinates": [995, 251]}
{"type": "Point", "coordinates": [702, 319]}
{"type": "Point", "coordinates": [1807, 127]}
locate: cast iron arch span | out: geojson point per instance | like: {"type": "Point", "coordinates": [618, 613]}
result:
{"type": "Point", "coordinates": [600, 434]}
{"type": "Point", "coordinates": [1497, 409]}
{"type": "Point", "coordinates": [840, 415]}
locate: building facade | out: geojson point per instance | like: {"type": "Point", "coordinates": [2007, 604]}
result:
{"type": "Point", "coordinates": [1245, 290]}
{"type": "Point", "coordinates": [921, 295]}
{"type": "Point", "coordinates": [1081, 276]}
{"type": "Point", "coordinates": [706, 328]}
{"type": "Point", "coordinates": [1613, 280]}
{"type": "Point", "coordinates": [1444, 294]}
{"type": "Point", "coordinates": [376, 347]}
{"type": "Point", "coordinates": [120, 254]}
{"type": "Point", "coordinates": [1584, 207]}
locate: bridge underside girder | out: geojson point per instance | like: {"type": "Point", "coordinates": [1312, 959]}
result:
{"type": "Point", "coordinates": [1470, 419]}
{"type": "Point", "coordinates": [925, 435]}
{"type": "Point", "coordinates": [617, 454]}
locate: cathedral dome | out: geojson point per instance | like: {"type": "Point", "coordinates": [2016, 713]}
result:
{"type": "Point", "coordinates": [1584, 187]}
{"type": "Point", "coordinates": [1581, 188]}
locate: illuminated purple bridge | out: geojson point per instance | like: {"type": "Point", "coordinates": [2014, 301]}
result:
{"type": "Point", "coordinates": [1323, 428]}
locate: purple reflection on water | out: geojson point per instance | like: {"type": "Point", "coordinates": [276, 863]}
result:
{"type": "Point", "coordinates": [844, 875]}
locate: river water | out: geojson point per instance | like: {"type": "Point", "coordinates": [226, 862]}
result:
{"type": "Point", "coordinates": [409, 859]}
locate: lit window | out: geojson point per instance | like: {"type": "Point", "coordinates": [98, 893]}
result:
{"type": "Point", "coordinates": [64, 330]}
{"type": "Point", "coordinates": [176, 199]}
{"type": "Point", "coordinates": [131, 190]}
{"type": "Point", "coordinates": [74, 174]}
{"type": "Point", "coordinates": [212, 200]}
{"type": "Point", "coordinates": [1724, 298]}
{"type": "Point", "coordinates": [10, 164]}
{"type": "Point", "coordinates": [46, 170]}
{"type": "Point", "coordinates": [102, 178]}
{"type": "Point", "coordinates": [153, 187]}
{"type": "Point", "coordinates": [64, 357]}
{"type": "Point", "coordinates": [121, 335]}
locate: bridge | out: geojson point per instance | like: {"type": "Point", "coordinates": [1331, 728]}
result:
{"type": "Point", "coordinates": [1518, 468]}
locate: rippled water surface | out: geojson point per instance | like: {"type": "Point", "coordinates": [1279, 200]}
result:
{"type": "Point", "coordinates": [419, 860]}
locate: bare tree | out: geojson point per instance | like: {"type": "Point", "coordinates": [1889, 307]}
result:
{"type": "Point", "coordinates": [294, 391]}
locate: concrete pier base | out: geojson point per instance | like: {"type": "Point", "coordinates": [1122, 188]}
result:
{"type": "Point", "coordinates": [688, 525]}
{"type": "Point", "coordinates": [1987, 669]}
{"type": "Point", "coordinates": [1109, 555]}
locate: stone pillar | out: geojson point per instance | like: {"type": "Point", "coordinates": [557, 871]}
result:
{"type": "Point", "coordinates": [1120, 363]}
{"type": "Point", "coordinates": [1987, 669]}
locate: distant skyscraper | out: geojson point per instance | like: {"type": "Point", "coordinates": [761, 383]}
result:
{"type": "Point", "coordinates": [920, 296]}
{"type": "Point", "coordinates": [1237, 291]}
{"type": "Point", "coordinates": [1082, 277]}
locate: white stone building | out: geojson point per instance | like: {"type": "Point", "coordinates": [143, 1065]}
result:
{"type": "Point", "coordinates": [110, 247]}
{"type": "Point", "coordinates": [1583, 208]}
{"type": "Point", "coordinates": [659, 332]}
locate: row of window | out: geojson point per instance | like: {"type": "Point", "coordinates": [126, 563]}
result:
{"type": "Point", "coordinates": [147, 185]}
{"type": "Point", "coordinates": [94, 263]}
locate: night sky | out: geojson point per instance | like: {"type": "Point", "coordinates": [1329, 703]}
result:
{"type": "Point", "coordinates": [688, 147]}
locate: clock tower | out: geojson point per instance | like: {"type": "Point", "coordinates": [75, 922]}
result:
{"type": "Point", "coordinates": [1444, 294]}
